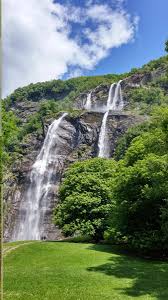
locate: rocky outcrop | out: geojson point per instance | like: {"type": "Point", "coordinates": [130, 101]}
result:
{"type": "Point", "coordinates": [24, 109]}
{"type": "Point", "coordinates": [98, 98]}
{"type": "Point", "coordinates": [143, 78]}
{"type": "Point", "coordinates": [78, 140]}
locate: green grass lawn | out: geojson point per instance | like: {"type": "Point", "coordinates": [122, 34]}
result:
{"type": "Point", "coordinates": [62, 270]}
{"type": "Point", "coordinates": [7, 246]}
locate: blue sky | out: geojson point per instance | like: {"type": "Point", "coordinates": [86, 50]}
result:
{"type": "Point", "coordinates": [149, 39]}
{"type": "Point", "coordinates": [46, 39]}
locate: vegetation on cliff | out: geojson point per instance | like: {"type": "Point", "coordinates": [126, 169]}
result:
{"type": "Point", "coordinates": [166, 46]}
{"type": "Point", "coordinates": [123, 199]}
{"type": "Point", "coordinates": [145, 99]}
{"type": "Point", "coordinates": [58, 90]}
{"type": "Point", "coordinates": [126, 201]}
{"type": "Point", "coordinates": [55, 96]}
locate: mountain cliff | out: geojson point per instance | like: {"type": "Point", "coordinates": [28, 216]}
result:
{"type": "Point", "coordinates": [29, 112]}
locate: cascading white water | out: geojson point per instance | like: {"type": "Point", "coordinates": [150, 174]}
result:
{"type": "Point", "coordinates": [120, 97]}
{"type": "Point", "coordinates": [117, 103]}
{"type": "Point", "coordinates": [110, 96]}
{"type": "Point", "coordinates": [102, 143]}
{"type": "Point", "coordinates": [35, 204]}
{"type": "Point", "coordinates": [88, 104]}
{"type": "Point", "coordinates": [114, 102]}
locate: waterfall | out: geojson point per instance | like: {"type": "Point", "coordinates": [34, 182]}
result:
{"type": "Point", "coordinates": [35, 204]}
{"type": "Point", "coordinates": [102, 143]}
{"type": "Point", "coordinates": [120, 97]}
{"type": "Point", "coordinates": [114, 102]}
{"type": "Point", "coordinates": [111, 95]}
{"type": "Point", "coordinates": [117, 103]}
{"type": "Point", "coordinates": [88, 101]}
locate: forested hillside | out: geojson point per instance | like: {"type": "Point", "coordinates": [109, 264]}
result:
{"type": "Point", "coordinates": [123, 198]}
{"type": "Point", "coordinates": [148, 88]}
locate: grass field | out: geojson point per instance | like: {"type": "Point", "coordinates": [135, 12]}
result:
{"type": "Point", "coordinates": [70, 271]}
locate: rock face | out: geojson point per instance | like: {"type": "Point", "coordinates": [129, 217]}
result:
{"type": "Point", "coordinates": [78, 141]}
{"type": "Point", "coordinates": [25, 109]}
{"type": "Point", "coordinates": [141, 79]}
{"type": "Point", "coordinates": [99, 97]}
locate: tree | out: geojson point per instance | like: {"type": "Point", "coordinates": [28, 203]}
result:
{"type": "Point", "coordinates": [152, 138]}
{"type": "Point", "coordinates": [166, 46]}
{"type": "Point", "coordinates": [85, 198]}
{"type": "Point", "coordinates": [141, 194]}
{"type": "Point", "coordinates": [140, 190]}
{"type": "Point", "coordinates": [141, 212]}
{"type": "Point", "coordinates": [10, 129]}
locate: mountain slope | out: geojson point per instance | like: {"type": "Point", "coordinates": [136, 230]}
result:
{"type": "Point", "coordinates": [29, 111]}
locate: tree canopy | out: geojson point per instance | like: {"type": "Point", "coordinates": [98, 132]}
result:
{"type": "Point", "coordinates": [125, 200]}
{"type": "Point", "coordinates": [86, 198]}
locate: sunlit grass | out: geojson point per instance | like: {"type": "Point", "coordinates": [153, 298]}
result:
{"type": "Point", "coordinates": [12, 244]}
{"type": "Point", "coordinates": [56, 270]}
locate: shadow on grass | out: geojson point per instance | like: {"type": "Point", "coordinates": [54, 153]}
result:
{"type": "Point", "coordinates": [148, 277]}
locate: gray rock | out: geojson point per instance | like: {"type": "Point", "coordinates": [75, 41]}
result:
{"type": "Point", "coordinates": [78, 140]}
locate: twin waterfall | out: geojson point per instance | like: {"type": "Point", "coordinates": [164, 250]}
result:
{"type": "Point", "coordinates": [35, 202]}
{"type": "Point", "coordinates": [114, 102]}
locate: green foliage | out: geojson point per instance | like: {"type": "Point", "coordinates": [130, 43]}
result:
{"type": "Point", "coordinates": [147, 95]}
{"type": "Point", "coordinates": [140, 217]}
{"type": "Point", "coordinates": [124, 201]}
{"type": "Point", "coordinates": [161, 82]}
{"type": "Point", "coordinates": [10, 136]}
{"type": "Point", "coordinates": [145, 98]}
{"type": "Point", "coordinates": [34, 124]}
{"type": "Point", "coordinates": [85, 198]}
{"type": "Point", "coordinates": [140, 193]}
{"type": "Point", "coordinates": [148, 137]}
{"type": "Point", "coordinates": [161, 62]}
{"type": "Point", "coordinates": [1, 197]}
{"type": "Point", "coordinates": [166, 46]}
{"type": "Point", "coordinates": [154, 141]}
{"type": "Point", "coordinates": [150, 142]}
{"type": "Point", "coordinates": [125, 141]}
{"type": "Point", "coordinates": [52, 108]}
{"type": "Point", "coordinates": [55, 89]}
{"type": "Point", "coordinates": [58, 89]}
{"type": "Point", "coordinates": [10, 125]}
{"type": "Point", "coordinates": [160, 119]}
{"type": "Point", "coordinates": [154, 64]}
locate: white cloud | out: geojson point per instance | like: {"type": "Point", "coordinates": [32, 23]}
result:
{"type": "Point", "coordinates": [38, 44]}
